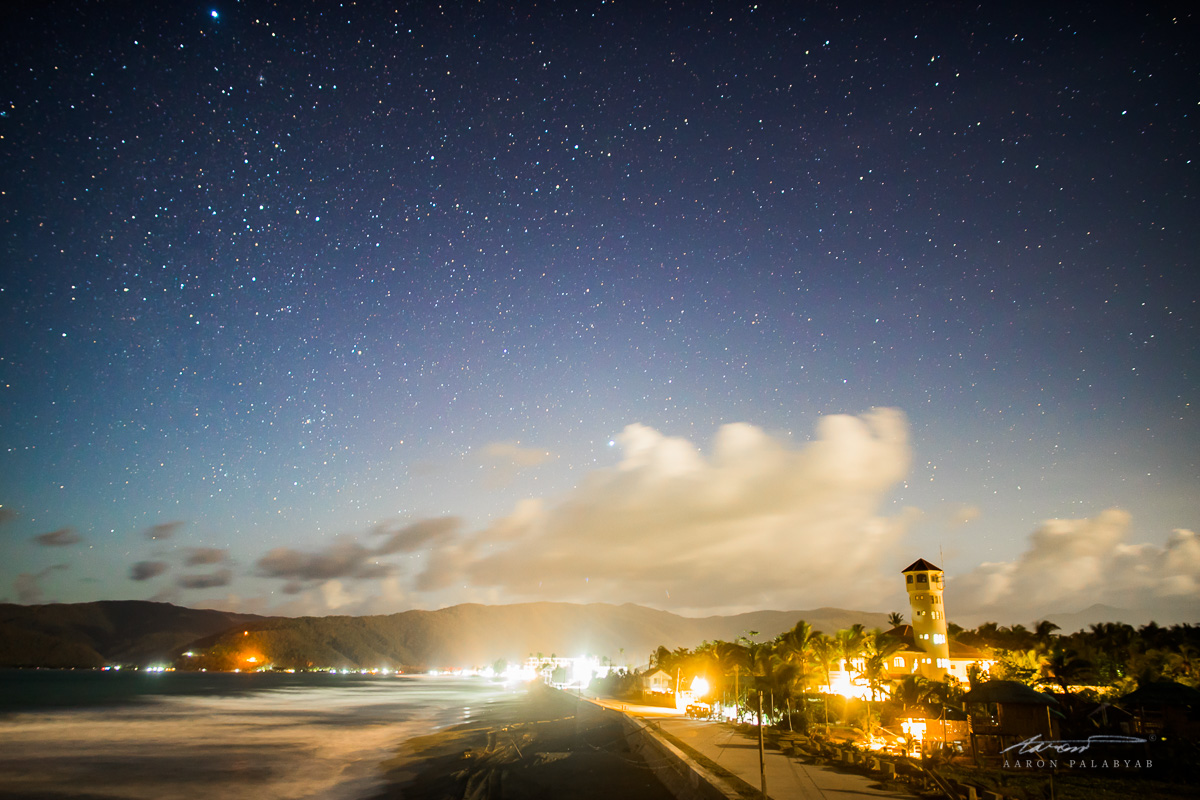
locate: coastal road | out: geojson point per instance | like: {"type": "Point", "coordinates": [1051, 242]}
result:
{"type": "Point", "coordinates": [787, 778]}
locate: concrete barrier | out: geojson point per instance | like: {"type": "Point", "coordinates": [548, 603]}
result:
{"type": "Point", "coordinates": [683, 776]}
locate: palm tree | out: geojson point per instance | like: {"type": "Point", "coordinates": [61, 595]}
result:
{"type": "Point", "coordinates": [876, 649]}
{"type": "Point", "coordinates": [912, 692]}
{"type": "Point", "coordinates": [1024, 666]}
{"type": "Point", "coordinates": [1042, 633]}
{"type": "Point", "coordinates": [895, 619]}
{"type": "Point", "coordinates": [1184, 665]}
{"type": "Point", "coordinates": [732, 658]}
{"type": "Point", "coordinates": [1113, 647]}
{"type": "Point", "coordinates": [825, 652]}
{"type": "Point", "coordinates": [795, 647]}
{"type": "Point", "coordinates": [1065, 666]}
{"type": "Point", "coordinates": [850, 643]}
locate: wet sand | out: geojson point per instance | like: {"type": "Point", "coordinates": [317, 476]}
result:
{"type": "Point", "coordinates": [545, 744]}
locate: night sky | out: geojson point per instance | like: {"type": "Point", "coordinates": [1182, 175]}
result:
{"type": "Point", "coordinates": [361, 307]}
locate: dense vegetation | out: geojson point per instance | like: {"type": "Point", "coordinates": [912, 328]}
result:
{"type": "Point", "coordinates": [792, 670]}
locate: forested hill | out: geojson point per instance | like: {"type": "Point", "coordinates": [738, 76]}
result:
{"type": "Point", "coordinates": [90, 634]}
{"type": "Point", "coordinates": [104, 632]}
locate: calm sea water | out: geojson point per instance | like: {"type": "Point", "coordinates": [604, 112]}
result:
{"type": "Point", "coordinates": [86, 734]}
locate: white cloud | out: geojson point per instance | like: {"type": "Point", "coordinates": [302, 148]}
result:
{"type": "Point", "coordinates": [1073, 563]}
{"type": "Point", "coordinates": [963, 514]}
{"type": "Point", "coordinates": [506, 459]}
{"type": "Point", "coordinates": [759, 522]}
{"type": "Point", "coordinates": [336, 596]}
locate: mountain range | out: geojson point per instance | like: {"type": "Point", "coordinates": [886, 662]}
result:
{"type": "Point", "coordinates": [144, 633]}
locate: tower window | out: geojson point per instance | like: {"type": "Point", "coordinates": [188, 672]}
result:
{"type": "Point", "coordinates": [922, 578]}
{"type": "Point", "coordinates": [939, 638]}
{"type": "Point", "coordinates": [909, 578]}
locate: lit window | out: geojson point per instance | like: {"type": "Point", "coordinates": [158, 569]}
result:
{"type": "Point", "coordinates": [939, 638]}
{"type": "Point", "coordinates": [898, 661]}
{"type": "Point", "coordinates": [943, 662]}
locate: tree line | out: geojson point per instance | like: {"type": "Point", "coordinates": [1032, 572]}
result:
{"type": "Point", "coordinates": [793, 670]}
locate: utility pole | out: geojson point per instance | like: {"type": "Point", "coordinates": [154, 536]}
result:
{"type": "Point", "coordinates": [762, 761]}
{"type": "Point", "coordinates": [737, 695]}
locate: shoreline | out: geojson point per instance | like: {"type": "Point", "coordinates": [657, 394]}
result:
{"type": "Point", "coordinates": [542, 744]}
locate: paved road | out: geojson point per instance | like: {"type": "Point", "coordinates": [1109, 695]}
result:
{"type": "Point", "coordinates": [787, 778]}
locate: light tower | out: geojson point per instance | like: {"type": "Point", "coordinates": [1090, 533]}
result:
{"type": "Point", "coordinates": [925, 583]}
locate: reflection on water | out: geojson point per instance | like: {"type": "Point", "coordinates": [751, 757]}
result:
{"type": "Point", "coordinates": [310, 736]}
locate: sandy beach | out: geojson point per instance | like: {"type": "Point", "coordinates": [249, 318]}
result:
{"type": "Point", "coordinates": [543, 744]}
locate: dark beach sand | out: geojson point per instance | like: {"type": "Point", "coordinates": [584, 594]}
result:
{"type": "Point", "coordinates": [545, 744]}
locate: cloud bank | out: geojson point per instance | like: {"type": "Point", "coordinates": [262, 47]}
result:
{"type": "Point", "coordinates": [145, 570]}
{"type": "Point", "coordinates": [63, 537]}
{"type": "Point", "coordinates": [759, 521]}
{"type": "Point", "coordinates": [506, 460]}
{"type": "Point", "coordinates": [28, 585]}
{"type": "Point", "coordinates": [221, 577]}
{"type": "Point", "coordinates": [1070, 564]}
{"type": "Point", "coordinates": [200, 556]}
{"type": "Point", "coordinates": [163, 530]}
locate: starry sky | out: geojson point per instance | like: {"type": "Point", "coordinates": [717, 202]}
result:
{"type": "Point", "coordinates": [360, 307]}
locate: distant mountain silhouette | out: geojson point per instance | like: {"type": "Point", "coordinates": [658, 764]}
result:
{"type": "Point", "coordinates": [105, 632]}
{"type": "Point", "coordinates": [477, 635]}
{"type": "Point", "coordinates": [136, 632]}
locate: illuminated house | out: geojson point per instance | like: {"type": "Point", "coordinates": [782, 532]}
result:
{"type": "Point", "coordinates": [925, 646]}
{"type": "Point", "coordinates": [929, 651]}
{"type": "Point", "coordinates": [659, 681]}
{"type": "Point", "coordinates": [911, 658]}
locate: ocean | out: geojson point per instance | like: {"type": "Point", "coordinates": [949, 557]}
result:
{"type": "Point", "coordinates": [92, 734]}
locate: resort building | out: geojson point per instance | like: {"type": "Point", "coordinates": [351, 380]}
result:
{"type": "Point", "coordinates": [926, 648]}
{"type": "Point", "coordinates": [925, 582]}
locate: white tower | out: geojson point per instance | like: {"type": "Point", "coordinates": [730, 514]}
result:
{"type": "Point", "coordinates": [925, 583]}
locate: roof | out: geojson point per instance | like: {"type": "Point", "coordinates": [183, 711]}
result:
{"type": "Point", "coordinates": [1007, 692]}
{"type": "Point", "coordinates": [960, 650]}
{"type": "Point", "coordinates": [921, 565]}
{"type": "Point", "coordinates": [1161, 693]}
